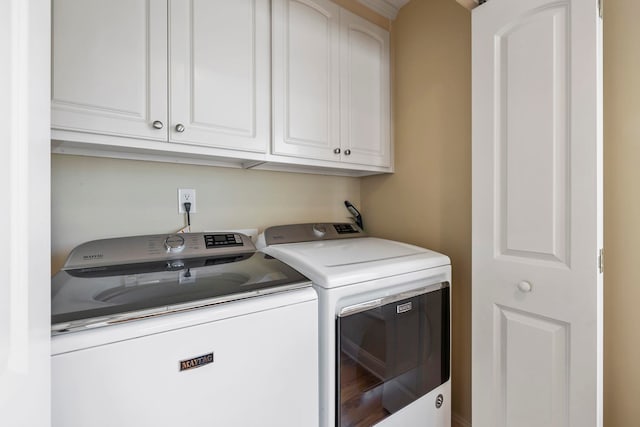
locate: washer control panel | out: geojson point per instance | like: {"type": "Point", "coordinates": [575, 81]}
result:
{"type": "Point", "coordinates": [157, 247]}
{"type": "Point", "coordinates": [174, 243]}
{"type": "Point", "coordinates": [220, 240]}
{"type": "Point", "coordinates": [296, 233]}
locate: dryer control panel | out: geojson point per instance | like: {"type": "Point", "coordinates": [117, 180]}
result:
{"type": "Point", "coordinates": [295, 233]}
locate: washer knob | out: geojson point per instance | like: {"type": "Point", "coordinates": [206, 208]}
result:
{"type": "Point", "coordinates": [319, 230]}
{"type": "Point", "coordinates": [174, 243]}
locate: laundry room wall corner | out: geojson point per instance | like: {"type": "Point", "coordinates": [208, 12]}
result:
{"type": "Point", "coordinates": [427, 201]}
{"type": "Point", "coordinates": [621, 212]}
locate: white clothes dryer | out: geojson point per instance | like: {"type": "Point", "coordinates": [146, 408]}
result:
{"type": "Point", "coordinates": [384, 324]}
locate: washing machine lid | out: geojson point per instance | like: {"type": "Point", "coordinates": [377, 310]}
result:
{"type": "Point", "coordinates": [348, 259]}
{"type": "Point", "coordinates": [111, 281]}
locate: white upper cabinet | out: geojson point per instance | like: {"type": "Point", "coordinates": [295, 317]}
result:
{"type": "Point", "coordinates": [110, 62]}
{"type": "Point", "coordinates": [109, 73]}
{"type": "Point", "coordinates": [330, 84]}
{"type": "Point", "coordinates": [306, 91]}
{"type": "Point", "coordinates": [364, 91]}
{"type": "Point", "coordinates": [271, 84]}
{"type": "Point", "coordinates": [220, 73]}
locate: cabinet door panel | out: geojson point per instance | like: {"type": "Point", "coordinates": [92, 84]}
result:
{"type": "Point", "coordinates": [220, 73]}
{"type": "Point", "coordinates": [364, 96]}
{"type": "Point", "coordinates": [109, 66]}
{"type": "Point", "coordinates": [306, 78]}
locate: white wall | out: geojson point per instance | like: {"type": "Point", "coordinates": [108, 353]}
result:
{"type": "Point", "coordinates": [94, 198]}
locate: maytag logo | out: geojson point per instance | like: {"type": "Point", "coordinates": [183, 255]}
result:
{"type": "Point", "coordinates": [93, 256]}
{"type": "Point", "coordinates": [403, 308]}
{"type": "Point", "coordinates": [196, 362]}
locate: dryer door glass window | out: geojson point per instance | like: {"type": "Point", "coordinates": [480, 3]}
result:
{"type": "Point", "coordinates": [391, 355]}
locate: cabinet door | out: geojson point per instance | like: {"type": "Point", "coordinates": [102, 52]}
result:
{"type": "Point", "coordinates": [109, 67]}
{"type": "Point", "coordinates": [220, 80]}
{"type": "Point", "coordinates": [306, 79]}
{"type": "Point", "coordinates": [364, 91]}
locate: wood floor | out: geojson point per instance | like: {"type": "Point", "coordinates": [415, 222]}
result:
{"type": "Point", "coordinates": [361, 396]}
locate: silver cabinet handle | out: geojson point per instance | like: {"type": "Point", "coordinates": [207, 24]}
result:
{"type": "Point", "coordinates": [180, 128]}
{"type": "Point", "coordinates": [336, 151]}
{"type": "Point", "coordinates": [158, 124]}
{"type": "Point", "coordinates": [347, 152]}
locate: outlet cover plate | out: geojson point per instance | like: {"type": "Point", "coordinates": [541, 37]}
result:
{"type": "Point", "coordinates": [186, 195]}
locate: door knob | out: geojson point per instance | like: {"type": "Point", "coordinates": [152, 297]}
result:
{"type": "Point", "coordinates": [525, 286]}
{"type": "Point", "coordinates": [180, 128]}
{"type": "Point", "coordinates": [336, 151]}
{"type": "Point", "coordinates": [158, 124]}
{"type": "Point", "coordinates": [347, 152]}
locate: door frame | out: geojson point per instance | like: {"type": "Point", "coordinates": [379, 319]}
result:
{"type": "Point", "coordinates": [25, 256]}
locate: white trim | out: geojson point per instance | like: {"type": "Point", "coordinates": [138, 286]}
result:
{"type": "Point", "coordinates": [25, 46]}
{"type": "Point", "coordinates": [458, 421]}
{"type": "Point", "coordinates": [18, 184]}
{"type": "Point", "coordinates": [387, 8]}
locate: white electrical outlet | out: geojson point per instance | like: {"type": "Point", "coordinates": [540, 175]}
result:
{"type": "Point", "coordinates": [186, 195]}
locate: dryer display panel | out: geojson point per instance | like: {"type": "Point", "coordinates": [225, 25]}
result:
{"type": "Point", "coordinates": [390, 355]}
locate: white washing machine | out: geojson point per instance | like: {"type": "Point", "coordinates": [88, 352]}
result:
{"type": "Point", "coordinates": [184, 330]}
{"type": "Point", "coordinates": [384, 319]}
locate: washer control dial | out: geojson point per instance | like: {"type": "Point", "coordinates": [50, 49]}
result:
{"type": "Point", "coordinates": [174, 243]}
{"type": "Point", "coordinates": [319, 230]}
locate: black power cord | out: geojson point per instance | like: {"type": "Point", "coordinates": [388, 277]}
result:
{"type": "Point", "coordinates": [187, 208]}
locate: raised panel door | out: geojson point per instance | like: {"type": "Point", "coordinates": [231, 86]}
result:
{"type": "Point", "coordinates": [364, 91]}
{"type": "Point", "coordinates": [537, 214]}
{"type": "Point", "coordinates": [220, 73]}
{"type": "Point", "coordinates": [306, 79]}
{"type": "Point", "coordinates": [109, 67]}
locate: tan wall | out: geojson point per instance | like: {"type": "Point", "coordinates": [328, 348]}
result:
{"type": "Point", "coordinates": [622, 212]}
{"type": "Point", "coordinates": [95, 198]}
{"type": "Point", "coordinates": [428, 200]}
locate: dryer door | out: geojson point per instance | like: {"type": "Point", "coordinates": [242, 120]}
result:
{"type": "Point", "coordinates": [391, 352]}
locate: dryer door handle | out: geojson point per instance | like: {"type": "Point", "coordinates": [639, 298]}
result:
{"type": "Point", "coordinates": [360, 307]}
{"type": "Point", "coordinates": [379, 302]}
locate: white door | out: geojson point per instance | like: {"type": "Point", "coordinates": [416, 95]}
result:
{"type": "Point", "coordinates": [306, 91]}
{"type": "Point", "coordinates": [537, 214]}
{"type": "Point", "coordinates": [109, 72]}
{"type": "Point", "coordinates": [364, 91]}
{"type": "Point", "coordinates": [220, 73]}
